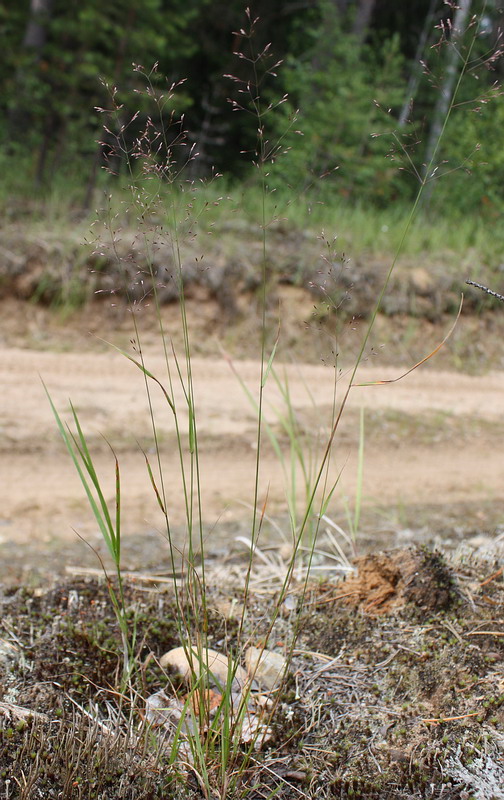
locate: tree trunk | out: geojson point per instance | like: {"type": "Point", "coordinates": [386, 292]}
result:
{"type": "Point", "coordinates": [416, 72]}
{"type": "Point", "coordinates": [20, 114]}
{"type": "Point", "coordinates": [362, 19]}
{"type": "Point", "coordinates": [35, 33]}
{"type": "Point", "coordinates": [446, 91]}
{"type": "Point", "coordinates": [98, 157]}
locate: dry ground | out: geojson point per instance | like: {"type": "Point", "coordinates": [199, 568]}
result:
{"type": "Point", "coordinates": [395, 686]}
{"type": "Point", "coordinates": [433, 441]}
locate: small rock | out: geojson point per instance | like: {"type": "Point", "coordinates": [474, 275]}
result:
{"type": "Point", "coordinates": [161, 710]}
{"type": "Point", "coordinates": [212, 701]}
{"type": "Point", "coordinates": [286, 552]}
{"type": "Point", "coordinates": [267, 667]}
{"type": "Point", "coordinates": [164, 714]}
{"type": "Point", "coordinates": [263, 702]}
{"type": "Point", "coordinates": [290, 603]}
{"type": "Point", "coordinates": [218, 666]}
{"type": "Point", "coordinates": [230, 609]}
{"type": "Point", "coordinates": [481, 542]}
{"type": "Point", "coordinates": [253, 730]}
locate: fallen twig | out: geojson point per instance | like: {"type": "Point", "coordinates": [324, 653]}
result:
{"type": "Point", "coordinates": [134, 576]}
{"type": "Point", "coordinates": [437, 720]}
{"type": "Point", "coordinates": [492, 577]}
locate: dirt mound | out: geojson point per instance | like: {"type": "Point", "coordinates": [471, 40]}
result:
{"type": "Point", "coordinates": [387, 581]}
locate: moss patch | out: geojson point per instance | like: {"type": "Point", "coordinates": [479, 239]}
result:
{"type": "Point", "coordinates": [408, 702]}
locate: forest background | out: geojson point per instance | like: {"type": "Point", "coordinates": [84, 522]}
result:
{"type": "Point", "coordinates": [368, 77]}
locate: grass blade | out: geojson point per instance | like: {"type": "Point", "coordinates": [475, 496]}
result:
{"type": "Point", "coordinates": [270, 361]}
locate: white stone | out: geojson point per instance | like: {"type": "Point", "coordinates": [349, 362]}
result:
{"type": "Point", "coordinates": [217, 666]}
{"type": "Point", "coordinates": [265, 666]}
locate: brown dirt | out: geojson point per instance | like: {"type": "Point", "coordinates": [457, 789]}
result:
{"type": "Point", "coordinates": [387, 581]}
{"type": "Point", "coordinates": [433, 439]}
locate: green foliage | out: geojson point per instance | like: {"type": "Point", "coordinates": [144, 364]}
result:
{"type": "Point", "coordinates": [474, 158]}
{"type": "Point", "coordinates": [88, 49]}
{"type": "Point", "coordinates": [344, 91]}
{"type": "Point", "coordinates": [350, 85]}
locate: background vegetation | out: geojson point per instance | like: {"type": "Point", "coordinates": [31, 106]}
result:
{"type": "Point", "coordinates": [353, 67]}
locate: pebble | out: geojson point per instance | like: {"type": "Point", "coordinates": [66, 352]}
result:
{"type": "Point", "coordinates": [219, 667]}
{"type": "Point", "coordinates": [267, 667]}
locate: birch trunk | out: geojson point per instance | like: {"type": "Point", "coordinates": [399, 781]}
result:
{"type": "Point", "coordinates": [446, 92]}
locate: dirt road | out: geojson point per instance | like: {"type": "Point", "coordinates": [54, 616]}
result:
{"type": "Point", "coordinates": [433, 438]}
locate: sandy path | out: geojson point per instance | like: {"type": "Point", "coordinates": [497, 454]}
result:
{"type": "Point", "coordinates": [41, 498]}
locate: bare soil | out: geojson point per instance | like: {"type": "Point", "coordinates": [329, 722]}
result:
{"type": "Point", "coordinates": [433, 467]}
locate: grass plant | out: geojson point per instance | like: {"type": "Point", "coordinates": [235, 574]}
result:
{"type": "Point", "coordinates": [166, 207]}
{"type": "Point", "coordinates": [108, 523]}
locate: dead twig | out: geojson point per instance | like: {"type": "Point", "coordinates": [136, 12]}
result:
{"type": "Point", "coordinates": [438, 720]}
{"type": "Point", "coordinates": [19, 712]}
{"type": "Point", "coordinates": [332, 599]}
{"type": "Point", "coordinates": [449, 627]}
{"type": "Point", "coordinates": [492, 577]}
{"type": "Point", "coordinates": [133, 576]}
